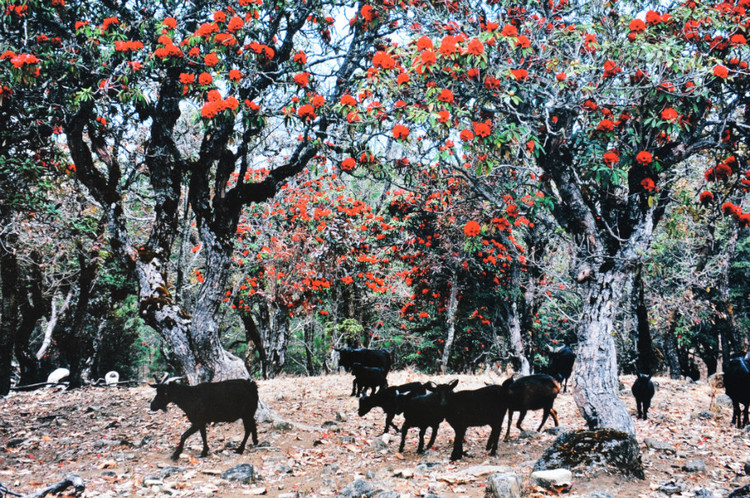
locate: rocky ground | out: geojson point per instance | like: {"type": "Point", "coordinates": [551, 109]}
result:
{"type": "Point", "coordinates": [318, 446]}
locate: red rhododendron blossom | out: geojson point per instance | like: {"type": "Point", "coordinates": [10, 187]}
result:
{"type": "Point", "coordinates": [21, 60]}
{"type": "Point", "coordinates": [610, 158]}
{"type": "Point", "coordinates": [400, 132]}
{"type": "Point", "coordinates": [302, 79]}
{"type": "Point", "coordinates": [648, 184]}
{"type": "Point", "coordinates": [445, 96]}
{"type": "Point", "coordinates": [669, 114]}
{"type": "Point", "coordinates": [644, 158]}
{"type": "Point", "coordinates": [447, 46]}
{"type": "Point", "coordinates": [235, 23]}
{"type": "Point", "coordinates": [424, 43]}
{"type": "Point", "coordinates": [637, 26]}
{"type": "Point", "coordinates": [232, 103]}
{"type": "Point", "coordinates": [428, 58]}
{"type": "Point", "coordinates": [519, 74]}
{"type": "Point", "coordinates": [706, 197]}
{"type": "Point", "coordinates": [348, 100]}
{"type": "Point", "coordinates": [300, 57]}
{"type": "Point", "coordinates": [109, 21]}
{"type": "Point", "coordinates": [610, 69]}
{"type": "Point", "coordinates": [744, 220]}
{"type": "Point", "coordinates": [653, 17]}
{"type": "Point", "coordinates": [382, 60]}
{"type": "Point", "coordinates": [348, 164]}
{"type": "Point", "coordinates": [169, 23]}
{"type": "Point", "coordinates": [721, 71]}
{"type": "Point", "coordinates": [306, 112]}
{"type": "Point", "coordinates": [205, 79]}
{"type": "Point", "coordinates": [211, 59]}
{"type": "Point", "coordinates": [729, 209]}
{"type": "Point", "coordinates": [235, 75]}
{"type": "Point", "coordinates": [738, 39]}
{"type": "Point", "coordinates": [187, 78]}
{"type": "Point", "coordinates": [368, 13]}
{"type": "Point", "coordinates": [213, 95]}
{"type": "Point", "coordinates": [318, 101]}
{"type": "Point", "coordinates": [220, 16]}
{"type": "Point", "coordinates": [402, 78]}
{"type": "Point", "coordinates": [509, 30]}
{"type": "Point", "coordinates": [523, 42]}
{"type": "Point", "coordinates": [605, 126]}
{"type": "Point", "coordinates": [475, 47]}
{"type": "Point", "coordinates": [482, 129]}
{"type": "Point", "coordinates": [466, 135]}
{"type": "Point", "coordinates": [561, 76]}
{"type": "Point", "coordinates": [211, 109]}
{"type": "Point", "coordinates": [472, 229]}
{"type": "Point", "coordinates": [444, 116]}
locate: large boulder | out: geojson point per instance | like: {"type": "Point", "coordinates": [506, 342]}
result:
{"type": "Point", "coordinates": [598, 447]}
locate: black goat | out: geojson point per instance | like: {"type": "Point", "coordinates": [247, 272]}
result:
{"type": "Point", "coordinates": [426, 411]}
{"type": "Point", "coordinates": [368, 357]}
{"type": "Point", "coordinates": [391, 400]}
{"type": "Point", "coordinates": [368, 378]}
{"type": "Point", "coordinates": [643, 390]}
{"type": "Point", "coordinates": [561, 365]}
{"type": "Point", "coordinates": [484, 406]}
{"type": "Point", "coordinates": [224, 401]}
{"type": "Point", "coordinates": [737, 387]}
{"type": "Point", "coordinates": [533, 392]}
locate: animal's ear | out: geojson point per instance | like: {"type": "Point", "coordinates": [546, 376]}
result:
{"type": "Point", "coordinates": [453, 383]}
{"type": "Point", "coordinates": [430, 386]}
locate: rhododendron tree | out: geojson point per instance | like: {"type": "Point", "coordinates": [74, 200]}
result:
{"type": "Point", "coordinates": [243, 80]}
{"type": "Point", "coordinates": [643, 92]}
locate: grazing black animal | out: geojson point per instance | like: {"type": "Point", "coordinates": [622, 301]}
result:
{"type": "Point", "coordinates": [224, 401]}
{"type": "Point", "coordinates": [391, 400]}
{"type": "Point", "coordinates": [737, 387]}
{"type": "Point", "coordinates": [368, 357]}
{"type": "Point", "coordinates": [368, 378]}
{"type": "Point", "coordinates": [643, 390]}
{"type": "Point", "coordinates": [561, 365]}
{"type": "Point", "coordinates": [483, 406]}
{"type": "Point", "coordinates": [533, 392]}
{"type": "Point", "coordinates": [426, 411]}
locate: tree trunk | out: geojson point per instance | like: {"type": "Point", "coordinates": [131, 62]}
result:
{"type": "Point", "coordinates": [595, 377]}
{"type": "Point", "coordinates": [516, 342]}
{"type": "Point", "coordinates": [645, 361]}
{"type": "Point", "coordinates": [451, 319]}
{"type": "Point", "coordinates": [670, 348]}
{"type": "Point", "coordinates": [10, 319]}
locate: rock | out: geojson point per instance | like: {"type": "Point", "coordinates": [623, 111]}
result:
{"type": "Point", "coordinates": [331, 426]}
{"type": "Point", "coordinates": [504, 485]}
{"type": "Point", "coordinates": [742, 492]}
{"type": "Point", "coordinates": [723, 400]}
{"type": "Point", "coordinates": [599, 447]}
{"type": "Point", "coordinates": [556, 431]}
{"type": "Point", "coordinates": [283, 425]}
{"type": "Point", "coordinates": [670, 488]}
{"type": "Point", "coordinates": [528, 435]}
{"type": "Point", "coordinates": [348, 439]}
{"type": "Point", "coordinates": [704, 415]}
{"type": "Point", "coordinates": [746, 467]}
{"type": "Point", "coordinates": [483, 470]}
{"type": "Point", "coordinates": [330, 469]}
{"type": "Point", "coordinates": [358, 489]}
{"type": "Point", "coordinates": [387, 494]}
{"type": "Point", "coordinates": [111, 378]}
{"type": "Point", "coordinates": [694, 466]}
{"type": "Point", "coordinates": [425, 468]}
{"type": "Point", "coordinates": [599, 494]}
{"type": "Point", "coordinates": [244, 473]}
{"type": "Point", "coordinates": [341, 417]}
{"type": "Point", "coordinates": [552, 478]}
{"type": "Point", "coordinates": [655, 444]}
{"type": "Point", "coordinates": [703, 493]}
{"type": "Point", "coordinates": [405, 473]}
{"type": "Point", "coordinates": [152, 482]}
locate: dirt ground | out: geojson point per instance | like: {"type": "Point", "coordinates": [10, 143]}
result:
{"type": "Point", "coordinates": [109, 437]}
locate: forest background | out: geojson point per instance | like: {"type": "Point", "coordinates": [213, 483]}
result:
{"type": "Point", "coordinates": [235, 189]}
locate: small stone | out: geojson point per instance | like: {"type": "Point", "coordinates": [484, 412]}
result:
{"type": "Point", "coordinates": [425, 468]}
{"type": "Point", "coordinates": [257, 491]}
{"type": "Point", "coordinates": [552, 478]}
{"type": "Point", "coordinates": [405, 473]}
{"type": "Point", "coordinates": [341, 417]}
{"type": "Point", "coordinates": [599, 494]}
{"type": "Point", "coordinates": [152, 482]}
{"type": "Point", "coordinates": [283, 425]}
{"type": "Point", "coordinates": [655, 444]}
{"type": "Point", "coordinates": [358, 489]}
{"type": "Point", "coordinates": [504, 485]}
{"type": "Point", "coordinates": [244, 473]}
{"type": "Point", "coordinates": [746, 467]}
{"type": "Point", "coordinates": [694, 466]}
{"type": "Point", "coordinates": [670, 488]}
{"type": "Point", "coordinates": [703, 493]}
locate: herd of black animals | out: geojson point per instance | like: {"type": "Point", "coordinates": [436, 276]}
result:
{"type": "Point", "coordinates": [423, 405]}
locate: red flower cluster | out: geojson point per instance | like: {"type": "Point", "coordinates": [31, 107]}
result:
{"type": "Point", "coordinates": [644, 158]}
{"type": "Point", "coordinates": [382, 60]}
{"type": "Point", "coordinates": [400, 132]}
{"type": "Point", "coordinates": [348, 164]}
{"type": "Point", "coordinates": [128, 46]}
{"type": "Point", "coordinates": [482, 129]}
{"type": "Point", "coordinates": [446, 96]}
{"type": "Point", "coordinates": [472, 229]}
{"type": "Point", "coordinates": [307, 112]}
{"type": "Point", "coordinates": [302, 79]}
{"type": "Point", "coordinates": [706, 197]}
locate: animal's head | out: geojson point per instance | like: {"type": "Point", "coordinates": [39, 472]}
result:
{"type": "Point", "coordinates": [442, 390]}
{"type": "Point", "coordinates": [161, 400]}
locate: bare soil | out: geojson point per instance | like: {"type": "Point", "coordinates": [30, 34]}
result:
{"type": "Point", "coordinates": [109, 437]}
